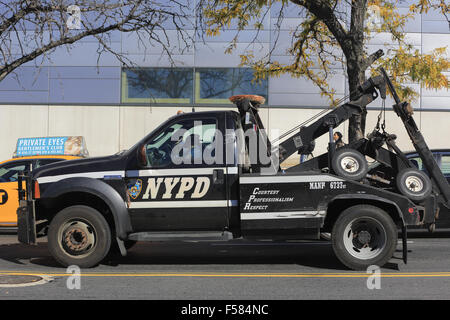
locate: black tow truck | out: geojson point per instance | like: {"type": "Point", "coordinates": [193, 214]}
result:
{"type": "Point", "coordinates": [216, 176]}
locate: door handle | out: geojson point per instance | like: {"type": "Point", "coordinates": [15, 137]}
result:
{"type": "Point", "coordinates": [218, 176]}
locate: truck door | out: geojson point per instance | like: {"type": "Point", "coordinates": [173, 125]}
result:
{"type": "Point", "coordinates": [182, 185]}
{"type": "Point", "coordinates": [8, 191]}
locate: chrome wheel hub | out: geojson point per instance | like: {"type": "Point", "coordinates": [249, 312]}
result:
{"type": "Point", "coordinates": [77, 238]}
{"type": "Point", "coordinates": [350, 164]}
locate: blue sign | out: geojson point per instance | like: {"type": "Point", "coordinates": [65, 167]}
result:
{"type": "Point", "coordinates": [40, 146]}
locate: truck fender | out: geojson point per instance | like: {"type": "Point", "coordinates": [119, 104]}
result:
{"type": "Point", "coordinates": [370, 198]}
{"type": "Point", "coordinates": [100, 189]}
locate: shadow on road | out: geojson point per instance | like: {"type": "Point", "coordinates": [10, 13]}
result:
{"type": "Point", "coordinates": [316, 255]}
{"type": "Point", "coordinates": [423, 234]}
{"type": "Point", "coordinates": [20, 254]}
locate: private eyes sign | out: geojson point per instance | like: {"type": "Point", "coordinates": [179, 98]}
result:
{"type": "Point", "coordinates": [72, 145]}
{"type": "Point", "coordinates": [40, 146]}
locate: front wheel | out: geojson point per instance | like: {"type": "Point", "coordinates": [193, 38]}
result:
{"type": "Point", "coordinates": [364, 235]}
{"type": "Point", "coordinates": [79, 235]}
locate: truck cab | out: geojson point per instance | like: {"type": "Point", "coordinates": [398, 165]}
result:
{"type": "Point", "coordinates": [178, 177]}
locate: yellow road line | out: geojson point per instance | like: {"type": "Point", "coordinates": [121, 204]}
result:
{"type": "Point", "coordinates": [238, 275]}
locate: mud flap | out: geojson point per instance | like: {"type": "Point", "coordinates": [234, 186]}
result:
{"type": "Point", "coordinates": [121, 245]}
{"type": "Point", "coordinates": [26, 222]}
{"type": "Point", "coordinates": [405, 244]}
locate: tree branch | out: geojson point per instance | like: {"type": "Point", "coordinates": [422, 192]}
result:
{"type": "Point", "coordinates": [20, 44]}
{"type": "Point", "coordinates": [322, 10]}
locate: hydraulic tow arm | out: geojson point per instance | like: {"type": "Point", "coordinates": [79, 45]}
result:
{"type": "Point", "coordinates": [404, 111]}
{"type": "Point", "coordinates": [367, 92]}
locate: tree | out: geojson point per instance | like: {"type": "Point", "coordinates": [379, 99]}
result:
{"type": "Point", "coordinates": [337, 31]}
{"type": "Point", "coordinates": [31, 28]}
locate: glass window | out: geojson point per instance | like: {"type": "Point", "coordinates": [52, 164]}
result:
{"type": "Point", "coordinates": [445, 164]}
{"type": "Point", "coordinates": [216, 85]}
{"type": "Point", "coordinates": [157, 85]}
{"type": "Point", "coordinates": [43, 162]}
{"type": "Point", "coordinates": [417, 162]}
{"type": "Point", "coordinates": [10, 171]}
{"type": "Point", "coordinates": [186, 142]}
{"type": "Point", "coordinates": [177, 85]}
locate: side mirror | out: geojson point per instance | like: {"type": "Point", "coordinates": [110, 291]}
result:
{"type": "Point", "coordinates": [142, 156]}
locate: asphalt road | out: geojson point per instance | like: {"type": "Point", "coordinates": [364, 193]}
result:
{"type": "Point", "coordinates": [227, 271]}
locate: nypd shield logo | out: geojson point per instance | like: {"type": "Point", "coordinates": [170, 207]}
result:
{"type": "Point", "coordinates": [135, 190]}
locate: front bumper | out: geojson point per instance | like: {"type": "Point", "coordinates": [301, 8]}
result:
{"type": "Point", "coordinates": [26, 218]}
{"type": "Point", "coordinates": [26, 222]}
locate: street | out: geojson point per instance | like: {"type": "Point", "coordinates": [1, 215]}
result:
{"type": "Point", "coordinates": [227, 271]}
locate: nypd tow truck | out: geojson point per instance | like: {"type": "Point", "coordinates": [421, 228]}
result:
{"type": "Point", "coordinates": [216, 176]}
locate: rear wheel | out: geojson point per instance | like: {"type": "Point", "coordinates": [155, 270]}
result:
{"type": "Point", "coordinates": [364, 235]}
{"type": "Point", "coordinates": [79, 235]}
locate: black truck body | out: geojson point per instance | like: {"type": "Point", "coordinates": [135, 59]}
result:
{"type": "Point", "coordinates": [144, 195]}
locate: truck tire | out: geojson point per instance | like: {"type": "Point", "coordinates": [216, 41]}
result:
{"type": "Point", "coordinates": [79, 235]}
{"type": "Point", "coordinates": [364, 235]}
{"type": "Point", "coordinates": [414, 184]}
{"type": "Point", "coordinates": [349, 164]}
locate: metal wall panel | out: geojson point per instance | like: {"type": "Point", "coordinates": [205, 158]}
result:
{"type": "Point", "coordinates": [213, 54]}
{"type": "Point", "coordinates": [84, 54]}
{"type": "Point", "coordinates": [26, 79]}
{"type": "Point", "coordinates": [84, 91]}
{"type": "Point", "coordinates": [27, 97]}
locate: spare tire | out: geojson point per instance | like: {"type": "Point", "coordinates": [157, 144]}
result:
{"type": "Point", "coordinates": [349, 164]}
{"type": "Point", "coordinates": [414, 184]}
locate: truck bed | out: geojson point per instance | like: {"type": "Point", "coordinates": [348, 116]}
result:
{"type": "Point", "coordinates": [298, 203]}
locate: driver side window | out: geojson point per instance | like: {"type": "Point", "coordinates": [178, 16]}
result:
{"type": "Point", "coordinates": [186, 142]}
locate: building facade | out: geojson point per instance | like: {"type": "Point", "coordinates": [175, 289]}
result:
{"type": "Point", "coordinates": [74, 91]}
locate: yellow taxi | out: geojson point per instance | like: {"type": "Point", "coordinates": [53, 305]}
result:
{"type": "Point", "coordinates": [30, 154]}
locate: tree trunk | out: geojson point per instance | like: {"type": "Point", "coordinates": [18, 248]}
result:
{"type": "Point", "coordinates": [357, 123]}
{"type": "Point", "coordinates": [356, 66]}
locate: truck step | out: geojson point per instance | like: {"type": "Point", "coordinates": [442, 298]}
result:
{"type": "Point", "coordinates": [181, 236]}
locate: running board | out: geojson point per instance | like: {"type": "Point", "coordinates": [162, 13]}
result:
{"type": "Point", "coordinates": [181, 236]}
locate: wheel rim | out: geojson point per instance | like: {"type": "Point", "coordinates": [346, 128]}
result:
{"type": "Point", "coordinates": [77, 238]}
{"type": "Point", "coordinates": [350, 164]}
{"type": "Point", "coordinates": [364, 238]}
{"type": "Point", "coordinates": [414, 184]}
